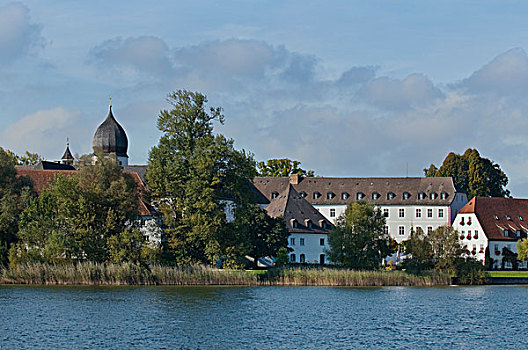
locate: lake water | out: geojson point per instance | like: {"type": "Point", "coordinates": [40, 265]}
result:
{"type": "Point", "coordinates": [263, 317]}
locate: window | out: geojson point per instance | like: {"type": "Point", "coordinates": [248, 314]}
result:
{"type": "Point", "coordinates": [303, 194]}
{"type": "Point", "coordinates": [302, 258]}
{"type": "Point", "coordinates": [440, 213]}
{"type": "Point", "coordinates": [295, 224]}
{"type": "Point", "coordinates": [433, 195]}
{"type": "Point", "coordinates": [386, 229]}
{"type": "Point", "coordinates": [309, 224]}
{"type": "Point", "coordinates": [496, 217]}
{"type": "Point", "coordinates": [508, 217]}
{"type": "Point", "coordinates": [390, 196]}
{"type": "Point", "coordinates": [386, 213]}
{"type": "Point", "coordinates": [520, 218]}
{"type": "Point", "coordinates": [506, 233]}
{"type": "Point", "coordinates": [332, 213]}
{"type": "Point", "coordinates": [360, 195]}
{"type": "Point", "coordinates": [429, 229]}
{"type": "Point", "coordinates": [321, 241]}
{"type": "Point", "coordinates": [401, 213]}
{"type": "Point", "coordinates": [444, 195]}
{"type": "Point", "coordinates": [401, 230]}
{"type": "Point", "coordinates": [292, 257]}
{"type": "Point", "coordinates": [375, 195]}
{"type": "Point", "coordinates": [481, 248]}
{"type": "Point", "coordinates": [322, 259]}
{"type": "Point", "coordinates": [316, 195]}
{"type": "Point", "coordinates": [518, 233]}
{"type": "Point", "coordinates": [476, 234]}
{"type": "Point", "coordinates": [274, 195]}
{"type": "Point", "coordinates": [406, 195]}
{"type": "Point", "coordinates": [418, 213]}
{"type": "Point", "coordinates": [429, 213]}
{"type": "Point", "coordinates": [344, 196]}
{"type": "Point", "coordinates": [496, 247]}
{"type": "Point", "coordinates": [330, 195]}
{"type": "Point", "coordinates": [301, 241]}
{"type": "Point", "coordinates": [421, 195]}
{"type": "Point", "coordinates": [292, 241]}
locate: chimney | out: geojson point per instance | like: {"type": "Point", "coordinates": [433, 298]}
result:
{"type": "Point", "coordinates": [294, 179]}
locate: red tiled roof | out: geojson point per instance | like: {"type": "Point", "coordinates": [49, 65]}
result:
{"type": "Point", "coordinates": [42, 178]}
{"type": "Point", "coordinates": [495, 214]}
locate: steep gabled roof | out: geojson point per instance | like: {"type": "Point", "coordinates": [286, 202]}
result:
{"type": "Point", "coordinates": [331, 189]}
{"type": "Point", "coordinates": [293, 208]}
{"type": "Point", "coordinates": [496, 214]}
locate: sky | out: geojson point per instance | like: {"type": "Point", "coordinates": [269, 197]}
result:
{"type": "Point", "coordinates": [349, 88]}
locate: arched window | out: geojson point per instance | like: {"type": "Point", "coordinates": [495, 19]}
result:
{"type": "Point", "coordinates": [302, 258]}
{"type": "Point", "coordinates": [274, 195]}
{"type": "Point", "coordinates": [292, 257]}
{"type": "Point", "coordinates": [344, 196]}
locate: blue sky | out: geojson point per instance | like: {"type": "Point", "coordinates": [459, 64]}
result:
{"type": "Point", "coordinates": [350, 88]}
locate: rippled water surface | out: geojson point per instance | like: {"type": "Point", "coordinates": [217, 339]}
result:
{"type": "Point", "coordinates": [263, 317]}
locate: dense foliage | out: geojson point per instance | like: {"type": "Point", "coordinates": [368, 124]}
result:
{"type": "Point", "coordinates": [282, 167]}
{"type": "Point", "coordinates": [358, 239]}
{"type": "Point", "coordinates": [475, 175]}
{"type": "Point", "coordinates": [194, 175]}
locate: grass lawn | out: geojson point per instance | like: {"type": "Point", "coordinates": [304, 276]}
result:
{"type": "Point", "coordinates": [523, 274]}
{"type": "Point", "coordinates": [257, 272]}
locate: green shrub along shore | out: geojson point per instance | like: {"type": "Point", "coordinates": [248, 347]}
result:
{"type": "Point", "coordinates": [89, 273]}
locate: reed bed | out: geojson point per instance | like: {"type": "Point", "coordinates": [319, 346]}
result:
{"type": "Point", "coordinates": [347, 277]}
{"type": "Point", "coordinates": [88, 273]}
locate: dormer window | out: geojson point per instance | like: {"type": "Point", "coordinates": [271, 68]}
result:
{"type": "Point", "coordinates": [406, 195]}
{"type": "Point", "coordinates": [316, 195]}
{"type": "Point", "coordinates": [344, 196]}
{"type": "Point", "coordinates": [302, 194]}
{"type": "Point", "coordinates": [421, 195]}
{"type": "Point", "coordinates": [508, 217]}
{"type": "Point", "coordinates": [444, 195]}
{"type": "Point", "coordinates": [360, 195]}
{"type": "Point", "coordinates": [390, 196]}
{"type": "Point", "coordinates": [506, 233]}
{"type": "Point", "coordinates": [330, 195]}
{"type": "Point", "coordinates": [496, 217]}
{"type": "Point", "coordinates": [308, 223]}
{"type": "Point", "coordinates": [520, 218]}
{"type": "Point", "coordinates": [274, 195]}
{"type": "Point", "coordinates": [433, 195]}
{"type": "Point", "coordinates": [375, 195]}
{"type": "Point", "coordinates": [294, 223]}
{"type": "Point", "coordinates": [518, 233]}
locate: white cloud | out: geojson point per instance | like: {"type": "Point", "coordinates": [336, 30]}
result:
{"type": "Point", "coordinates": [43, 132]}
{"type": "Point", "coordinates": [17, 34]}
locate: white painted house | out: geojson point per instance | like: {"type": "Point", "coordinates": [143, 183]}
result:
{"type": "Point", "coordinates": [494, 223]}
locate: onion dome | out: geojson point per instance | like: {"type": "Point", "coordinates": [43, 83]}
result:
{"type": "Point", "coordinates": [110, 137]}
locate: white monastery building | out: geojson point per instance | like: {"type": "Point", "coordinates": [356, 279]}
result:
{"type": "Point", "coordinates": [407, 203]}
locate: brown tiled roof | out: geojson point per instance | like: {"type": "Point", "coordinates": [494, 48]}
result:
{"type": "Point", "coordinates": [332, 188]}
{"type": "Point", "coordinates": [493, 214]}
{"type": "Point", "coordinates": [42, 178]}
{"type": "Point", "coordinates": [292, 207]}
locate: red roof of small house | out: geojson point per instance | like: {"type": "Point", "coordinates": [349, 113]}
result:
{"type": "Point", "coordinates": [496, 214]}
{"type": "Point", "coordinates": [42, 178]}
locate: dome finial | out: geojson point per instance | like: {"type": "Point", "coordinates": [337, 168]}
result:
{"type": "Point", "coordinates": [67, 142]}
{"type": "Point", "coordinates": [110, 99]}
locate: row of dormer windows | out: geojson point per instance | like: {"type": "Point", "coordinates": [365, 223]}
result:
{"type": "Point", "coordinates": [309, 224]}
{"type": "Point", "coordinates": [374, 195]}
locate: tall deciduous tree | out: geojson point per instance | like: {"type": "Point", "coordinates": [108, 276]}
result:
{"type": "Point", "coordinates": [282, 167]}
{"type": "Point", "coordinates": [445, 246]}
{"type": "Point", "coordinates": [358, 239]}
{"type": "Point", "coordinates": [475, 175]}
{"type": "Point", "coordinates": [191, 173]}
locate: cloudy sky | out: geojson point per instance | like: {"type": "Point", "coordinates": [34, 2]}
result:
{"type": "Point", "coordinates": [350, 88]}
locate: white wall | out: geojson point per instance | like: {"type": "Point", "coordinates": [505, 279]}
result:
{"type": "Point", "coordinates": [474, 228]}
{"type": "Point", "coordinates": [312, 248]}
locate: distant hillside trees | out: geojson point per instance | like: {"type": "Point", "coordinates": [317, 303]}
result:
{"type": "Point", "coordinates": [282, 167]}
{"type": "Point", "coordinates": [475, 175]}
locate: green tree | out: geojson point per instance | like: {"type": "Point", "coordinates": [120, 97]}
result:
{"type": "Point", "coordinates": [14, 194]}
{"type": "Point", "coordinates": [259, 234]}
{"type": "Point", "coordinates": [522, 249]}
{"type": "Point", "coordinates": [191, 173]}
{"type": "Point", "coordinates": [445, 246]}
{"type": "Point", "coordinates": [126, 246]}
{"type": "Point", "coordinates": [75, 216]}
{"type": "Point", "coordinates": [358, 239]}
{"type": "Point", "coordinates": [475, 175]}
{"type": "Point", "coordinates": [282, 167]}
{"type": "Point", "coordinates": [419, 250]}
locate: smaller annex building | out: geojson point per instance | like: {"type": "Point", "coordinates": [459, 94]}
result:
{"type": "Point", "coordinates": [494, 223]}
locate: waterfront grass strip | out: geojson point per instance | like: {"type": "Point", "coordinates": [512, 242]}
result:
{"type": "Point", "coordinates": [130, 274]}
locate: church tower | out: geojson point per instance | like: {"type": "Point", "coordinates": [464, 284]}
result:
{"type": "Point", "coordinates": [110, 138]}
{"type": "Point", "coordinates": [67, 158]}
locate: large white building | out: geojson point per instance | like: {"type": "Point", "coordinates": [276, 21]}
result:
{"type": "Point", "coordinates": [407, 203]}
{"type": "Point", "coordinates": [494, 223]}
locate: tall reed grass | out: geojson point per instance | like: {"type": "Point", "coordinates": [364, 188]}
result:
{"type": "Point", "coordinates": [88, 273]}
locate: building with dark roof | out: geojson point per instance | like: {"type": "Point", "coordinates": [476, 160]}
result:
{"type": "Point", "coordinates": [495, 223]}
{"type": "Point", "coordinates": [110, 138]}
